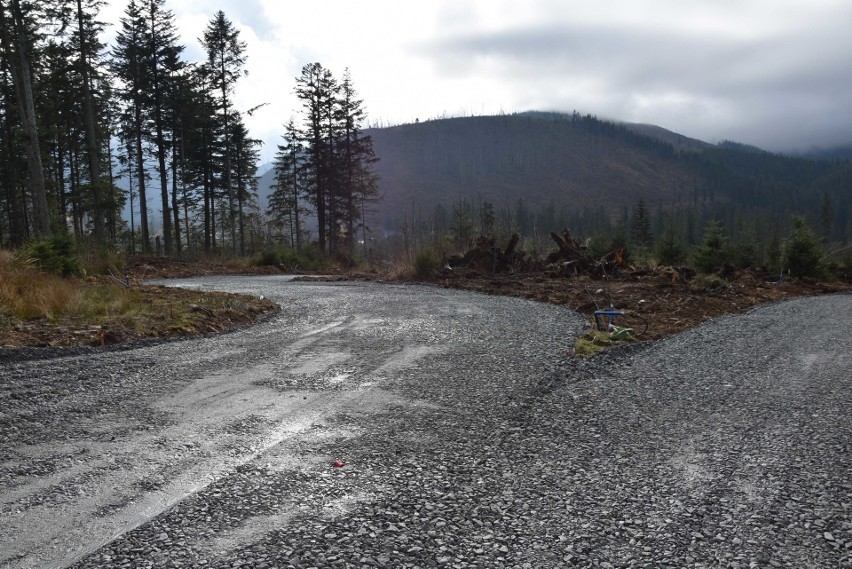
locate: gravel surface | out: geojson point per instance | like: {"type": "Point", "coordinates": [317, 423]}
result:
{"type": "Point", "coordinates": [468, 441]}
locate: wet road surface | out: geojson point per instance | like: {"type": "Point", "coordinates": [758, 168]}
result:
{"type": "Point", "coordinates": [109, 441]}
{"type": "Point", "coordinates": [468, 441]}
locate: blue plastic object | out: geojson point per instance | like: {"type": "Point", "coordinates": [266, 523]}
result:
{"type": "Point", "coordinates": [603, 318]}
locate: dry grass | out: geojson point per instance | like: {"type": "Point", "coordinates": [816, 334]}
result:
{"type": "Point", "coordinates": [41, 309]}
{"type": "Point", "coordinates": [27, 294]}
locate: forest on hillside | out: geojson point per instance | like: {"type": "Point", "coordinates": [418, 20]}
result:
{"type": "Point", "coordinates": [77, 115]}
{"type": "Point", "coordinates": [538, 172]}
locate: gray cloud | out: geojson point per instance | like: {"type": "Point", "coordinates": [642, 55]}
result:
{"type": "Point", "coordinates": [755, 89]}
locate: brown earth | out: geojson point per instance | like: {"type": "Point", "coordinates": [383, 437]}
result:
{"type": "Point", "coordinates": [669, 305]}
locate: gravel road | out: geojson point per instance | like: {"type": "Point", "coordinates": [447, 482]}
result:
{"type": "Point", "coordinates": [468, 440]}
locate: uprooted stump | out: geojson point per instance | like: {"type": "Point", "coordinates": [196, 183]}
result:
{"type": "Point", "coordinates": [572, 258]}
{"type": "Point", "coordinates": [487, 257]}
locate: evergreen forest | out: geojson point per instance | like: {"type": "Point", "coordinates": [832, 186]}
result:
{"type": "Point", "coordinates": [77, 116]}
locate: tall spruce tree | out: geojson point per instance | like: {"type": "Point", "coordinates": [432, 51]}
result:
{"type": "Point", "coordinates": [285, 207]}
{"type": "Point", "coordinates": [12, 207]}
{"type": "Point", "coordinates": [225, 61]}
{"type": "Point", "coordinates": [356, 153]}
{"type": "Point", "coordinates": [88, 47]}
{"type": "Point", "coordinates": [246, 155]}
{"type": "Point", "coordinates": [162, 66]}
{"type": "Point", "coordinates": [186, 117]}
{"type": "Point", "coordinates": [640, 231]}
{"type": "Point", "coordinates": [129, 66]}
{"type": "Point", "coordinates": [317, 89]}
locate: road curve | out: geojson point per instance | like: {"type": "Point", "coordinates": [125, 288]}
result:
{"type": "Point", "coordinates": [468, 441]}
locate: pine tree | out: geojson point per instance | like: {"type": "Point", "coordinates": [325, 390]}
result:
{"type": "Point", "coordinates": [317, 89]}
{"type": "Point", "coordinates": [826, 217]}
{"type": "Point", "coordinates": [462, 225]}
{"type": "Point", "coordinates": [88, 46]}
{"type": "Point", "coordinates": [162, 64]}
{"type": "Point", "coordinates": [640, 231]}
{"type": "Point", "coordinates": [186, 115]}
{"type": "Point", "coordinates": [356, 160]}
{"type": "Point", "coordinates": [710, 255]}
{"type": "Point", "coordinates": [202, 150]}
{"type": "Point", "coordinates": [128, 65]}
{"type": "Point", "coordinates": [522, 218]}
{"type": "Point", "coordinates": [246, 157]}
{"type": "Point", "coordinates": [487, 220]}
{"type": "Point", "coordinates": [12, 161]}
{"type": "Point", "coordinates": [801, 251]}
{"type": "Point", "coordinates": [670, 249]}
{"type": "Point", "coordinates": [285, 207]}
{"type": "Point", "coordinates": [225, 62]}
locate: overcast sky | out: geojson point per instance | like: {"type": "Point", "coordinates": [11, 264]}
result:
{"type": "Point", "coordinates": [774, 73]}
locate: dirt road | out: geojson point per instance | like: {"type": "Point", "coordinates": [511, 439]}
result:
{"type": "Point", "coordinates": [98, 444]}
{"type": "Point", "coordinates": [468, 440]}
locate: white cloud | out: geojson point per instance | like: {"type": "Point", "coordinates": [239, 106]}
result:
{"type": "Point", "coordinates": [767, 72]}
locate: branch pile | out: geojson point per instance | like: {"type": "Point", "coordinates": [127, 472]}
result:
{"type": "Point", "coordinates": [487, 257]}
{"type": "Point", "coordinates": [570, 259]}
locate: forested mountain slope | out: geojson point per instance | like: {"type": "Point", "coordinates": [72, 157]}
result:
{"type": "Point", "coordinates": [582, 165]}
{"type": "Point", "coordinates": [576, 163]}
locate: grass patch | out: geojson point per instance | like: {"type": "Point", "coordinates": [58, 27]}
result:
{"type": "Point", "coordinates": [585, 348]}
{"type": "Point", "coordinates": [594, 341]}
{"type": "Point", "coordinates": [39, 308]}
{"type": "Point", "coordinates": [27, 293]}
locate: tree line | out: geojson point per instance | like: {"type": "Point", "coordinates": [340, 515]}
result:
{"type": "Point", "coordinates": [77, 115]}
{"type": "Point", "coordinates": [326, 162]}
{"type": "Point", "coordinates": [706, 239]}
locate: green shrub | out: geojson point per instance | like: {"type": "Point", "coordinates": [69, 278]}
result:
{"type": "Point", "coordinates": [710, 255]}
{"type": "Point", "coordinates": [276, 256]}
{"type": "Point", "coordinates": [801, 251]}
{"type": "Point", "coordinates": [425, 264]}
{"type": "Point", "coordinates": [57, 255]}
{"type": "Point", "coordinates": [670, 249]}
{"type": "Point", "coordinates": [742, 255]}
{"type": "Point", "coordinates": [601, 245]}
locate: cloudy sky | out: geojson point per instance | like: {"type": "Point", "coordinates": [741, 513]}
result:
{"type": "Point", "coordinates": [774, 73]}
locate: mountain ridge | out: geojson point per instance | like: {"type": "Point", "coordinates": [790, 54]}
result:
{"type": "Point", "coordinates": [577, 163]}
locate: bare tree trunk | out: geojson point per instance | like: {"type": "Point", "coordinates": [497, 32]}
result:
{"type": "Point", "coordinates": [140, 175]}
{"type": "Point", "coordinates": [91, 135]}
{"type": "Point", "coordinates": [227, 173]}
{"type": "Point", "coordinates": [17, 228]}
{"type": "Point", "coordinates": [175, 208]}
{"type": "Point", "coordinates": [161, 143]}
{"type": "Point", "coordinates": [130, 196]}
{"type": "Point", "coordinates": [24, 90]}
{"type": "Point", "coordinates": [113, 222]}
